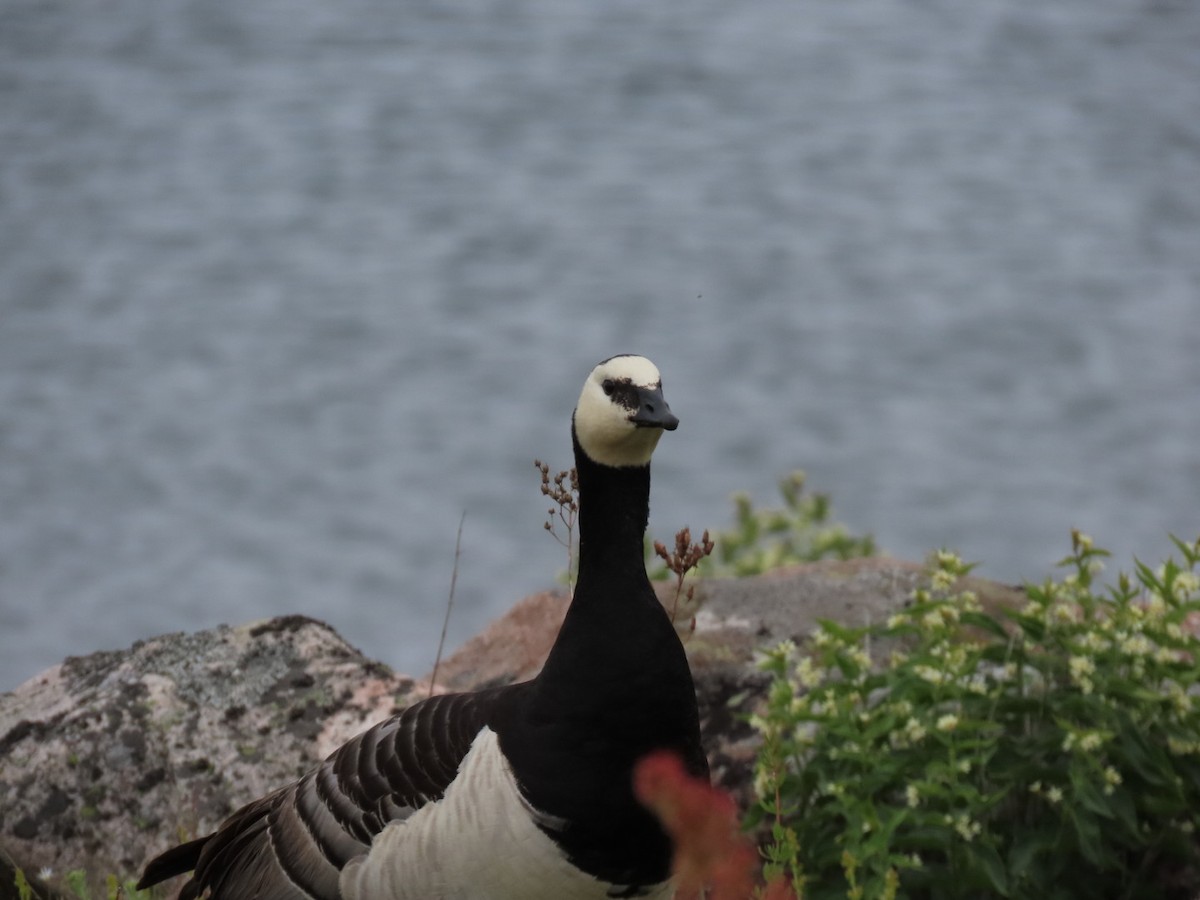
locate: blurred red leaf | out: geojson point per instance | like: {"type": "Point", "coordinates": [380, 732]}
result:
{"type": "Point", "coordinates": [702, 822]}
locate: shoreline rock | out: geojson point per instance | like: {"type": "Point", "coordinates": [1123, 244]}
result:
{"type": "Point", "coordinates": [106, 759]}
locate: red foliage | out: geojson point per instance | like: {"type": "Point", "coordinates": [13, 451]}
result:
{"type": "Point", "coordinates": [703, 824]}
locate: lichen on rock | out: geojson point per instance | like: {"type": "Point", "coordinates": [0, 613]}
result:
{"type": "Point", "coordinates": [105, 759]}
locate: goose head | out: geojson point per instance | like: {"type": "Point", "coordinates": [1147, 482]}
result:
{"type": "Point", "coordinates": [621, 412]}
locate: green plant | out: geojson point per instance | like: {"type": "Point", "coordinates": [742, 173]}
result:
{"type": "Point", "coordinates": [24, 891]}
{"type": "Point", "coordinates": [1051, 751]}
{"type": "Point", "coordinates": [77, 883]}
{"type": "Point", "coordinates": [765, 539]}
{"type": "Point", "coordinates": [127, 890]}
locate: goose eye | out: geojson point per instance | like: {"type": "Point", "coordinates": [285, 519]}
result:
{"type": "Point", "coordinates": [609, 386]}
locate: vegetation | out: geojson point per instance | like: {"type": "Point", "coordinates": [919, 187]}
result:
{"type": "Point", "coordinates": [75, 884]}
{"type": "Point", "coordinates": [800, 531]}
{"type": "Point", "coordinates": [760, 540]}
{"type": "Point", "coordinates": [1051, 751]}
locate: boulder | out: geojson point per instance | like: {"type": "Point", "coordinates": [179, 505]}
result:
{"type": "Point", "coordinates": [106, 760]}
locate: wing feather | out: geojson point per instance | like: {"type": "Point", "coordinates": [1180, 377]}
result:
{"type": "Point", "coordinates": [293, 843]}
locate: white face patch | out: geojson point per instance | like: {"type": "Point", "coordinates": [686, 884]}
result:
{"type": "Point", "coordinates": [603, 425]}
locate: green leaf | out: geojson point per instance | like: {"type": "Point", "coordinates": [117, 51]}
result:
{"type": "Point", "coordinates": [1190, 552]}
{"type": "Point", "coordinates": [1087, 793]}
{"type": "Point", "coordinates": [986, 623]}
{"type": "Point", "coordinates": [1122, 806]}
{"type": "Point", "coordinates": [1087, 833]}
{"type": "Point", "coordinates": [991, 866]}
{"type": "Point", "coordinates": [1023, 856]}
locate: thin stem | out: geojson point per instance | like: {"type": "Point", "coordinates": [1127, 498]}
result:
{"type": "Point", "coordinates": [449, 602]}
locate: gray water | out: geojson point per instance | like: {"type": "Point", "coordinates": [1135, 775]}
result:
{"type": "Point", "coordinates": [288, 287]}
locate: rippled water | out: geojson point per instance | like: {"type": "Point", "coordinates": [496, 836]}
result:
{"type": "Point", "coordinates": [285, 288]}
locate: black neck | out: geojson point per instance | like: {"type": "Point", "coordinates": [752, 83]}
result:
{"type": "Point", "coordinates": [613, 512]}
{"type": "Point", "coordinates": [614, 610]}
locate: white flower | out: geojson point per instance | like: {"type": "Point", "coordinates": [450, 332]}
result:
{"type": "Point", "coordinates": [942, 580]}
{"type": "Point", "coordinates": [914, 730]}
{"type": "Point", "coordinates": [912, 796]}
{"type": "Point", "coordinates": [1064, 612]}
{"type": "Point", "coordinates": [764, 783]}
{"type": "Point", "coordinates": [976, 684]}
{"type": "Point", "coordinates": [809, 674]}
{"type": "Point", "coordinates": [948, 559]}
{"type": "Point", "coordinates": [1136, 645]}
{"type": "Point", "coordinates": [1165, 655]}
{"type": "Point", "coordinates": [930, 674]}
{"type": "Point", "coordinates": [1094, 642]}
{"type": "Point", "coordinates": [965, 826]}
{"type": "Point", "coordinates": [947, 722]}
{"type": "Point", "coordinates": [1185, 584]}
{"type": "Point", "coordinates": [1112, 778]}
{"type": "Point", "coordinates": [1080, 666]}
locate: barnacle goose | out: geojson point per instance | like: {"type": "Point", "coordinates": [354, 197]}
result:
{"type": "Point", "coordinates": [520, 792]}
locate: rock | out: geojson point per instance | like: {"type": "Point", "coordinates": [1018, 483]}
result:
{"type": "Point", "coordinates": [107, 759]}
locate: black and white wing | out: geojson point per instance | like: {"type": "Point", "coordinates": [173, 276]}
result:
{"type": "Point", "coordinates": [293, 843]}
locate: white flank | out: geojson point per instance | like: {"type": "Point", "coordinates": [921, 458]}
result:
{"type": "Point", "coordinates": [479, 842]}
